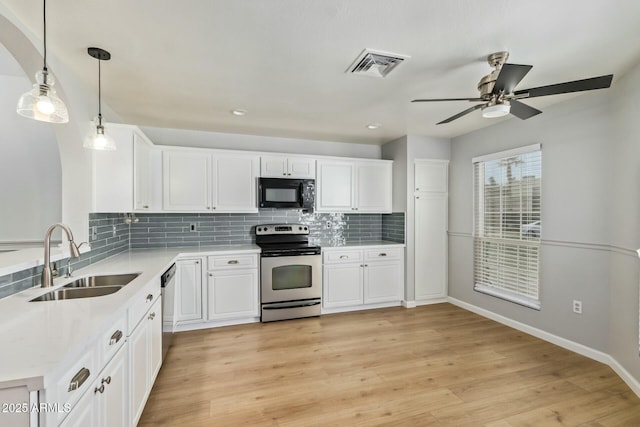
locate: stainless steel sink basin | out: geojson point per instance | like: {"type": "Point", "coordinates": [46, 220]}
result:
{"type": "Point", "coordinates": [72, 293]}
{"type": "Point", "coordinates": [90, 286]}
{"type": "Point", "coordinates": [101, 281]}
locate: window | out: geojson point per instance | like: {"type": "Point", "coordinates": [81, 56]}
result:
{"type": "Point", "coordinates": [507, 224]}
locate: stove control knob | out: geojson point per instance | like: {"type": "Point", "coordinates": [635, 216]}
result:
{"type": "Point", "coordinates": [299, 228]}
{"type": "Point", "coordinates": [305, 228]}
{"type": "Point", "coordinates": [265, 229]}
{"type": "Point", "coordinates": [259, 229]}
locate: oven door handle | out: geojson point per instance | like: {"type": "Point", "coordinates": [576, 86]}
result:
{"type": "Point", "coordinates": [308, 304]}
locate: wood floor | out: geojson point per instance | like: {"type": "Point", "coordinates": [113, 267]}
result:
{"type": "Point", "coordinates": [432, 365]}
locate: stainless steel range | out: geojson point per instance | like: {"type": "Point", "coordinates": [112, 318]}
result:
{"type": "Point", "coordinates": [290, 273]}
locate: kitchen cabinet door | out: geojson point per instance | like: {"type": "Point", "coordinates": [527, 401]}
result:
{"type": "Point", "coordinates": [334, 186]}
{"type": "Point", "coordinates": [155, 342]}
{"type": "Point", "coordinates": [383, 281]}
{"type": "Point", "coordinates": [374, 187]}
{"type": "Point", "coordinates": [189, 290]}
{"type": "Point", "coordinates": [83, 413]}
{"type": "Point", "coordinates": [113, 401]}
{"type": "Point", "coordinates": [234, 183]}
{"type": "Point", "coordinates": [342, 285]}
{"type": "Point", "coordinates": [430, 246]}
{"type": "Point", "coordinates": [301, 167]}
{"type": "Point", "coordinates": [142, 191]}
{"type": "Point", "coordinates": [431, 175]}
{"type": "Point", "coordinates": [113, 174]}
{"type": "Point", "coordinates": [185, 181]}
{"type": "Point", "coordinates": [233, 294]}
{"type": "Point", "coordinates": [273, 167]}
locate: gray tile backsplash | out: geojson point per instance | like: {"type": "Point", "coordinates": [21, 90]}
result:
{"type": "Point", "coordinates": [105, 245]}
{"type": "Point", "coordinates": [174, 230]}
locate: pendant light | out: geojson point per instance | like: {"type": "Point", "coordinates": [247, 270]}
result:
{"type": "Point", "coordinates": [41, 102]}
{"type": "Point", "coordinates": [97, 139]}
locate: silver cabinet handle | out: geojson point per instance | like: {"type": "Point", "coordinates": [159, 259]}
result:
{"type": "Point", "coordinates": [417, 189]}
{"type": "Point", "coordinates": [99, 389]}
{"type": "Point", "coordinates": [214, 207]}
{"type": "Point", "coordinates": [382, 254]}
{"type": "Point", "coordinates": [288, 174]}
{"type": "Point", "coordinates": [344, 256]}
{"type": "Point", "coordinates": [284, 174]}
{"type": "Point", "coordinates": [361, 265]}
{"type": "Point", "coordinates": [232, 261]}
{"type": "Point", "coordinates": [152, 316]}
{"type": "Point", "coordinates": [79, 379]}
{"type": "Point", "coordinates": [106, 380]}
{"type": "Point", "coordinates": [117, 336]}
{"type": "Point", "coordinates": [146, 206]}
{"type": "Point", "coordinates": [417, 197]}
{"type": "Point", "coordinates": [366, 265]}
{"type": "Point", "coordinates": [197, 262]}
{"type": "Point", "coordinates": [149, 297]}
{"type": "Point", "coordinates": [210, 274]}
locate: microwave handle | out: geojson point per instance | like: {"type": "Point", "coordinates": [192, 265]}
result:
{"type": "Point", "coordinates": [301, 194]}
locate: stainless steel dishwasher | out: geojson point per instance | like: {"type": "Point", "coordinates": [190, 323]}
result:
{"type": "Point", "coordinates": [168, 292]}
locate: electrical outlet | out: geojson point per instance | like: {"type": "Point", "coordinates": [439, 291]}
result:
{"type": "Point", "coordinates": [94, 232]}
{"type": "Point", "coordinates": [113, 230]}
{"type": "Point", "coordinates": [192, 227]}
{"type": "Point", "coordinates": [329, 225]}
{"type": "Point", "coordinates": [577, 306]}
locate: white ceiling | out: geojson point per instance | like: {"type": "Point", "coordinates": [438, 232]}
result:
{"type": "Point", "coordinates": [186, 64]}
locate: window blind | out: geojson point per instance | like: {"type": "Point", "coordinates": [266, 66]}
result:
{"type": "Point", "coordinates": [507, 224]}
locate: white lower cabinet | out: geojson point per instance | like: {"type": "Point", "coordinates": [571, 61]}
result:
{"type": "Point", "coordinates": [360, 277]}
{"type": "Point", "coordinates": [233, 287]}
{"type": "Point", "coordinates": [189, 290]}
{"type": "Point", "coordinates": [145, 358]}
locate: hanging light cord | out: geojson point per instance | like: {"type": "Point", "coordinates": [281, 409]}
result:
{"type": "Point", "coordinates": [99, 94]}
{"type": "Point", "coordinates": [44, 21]}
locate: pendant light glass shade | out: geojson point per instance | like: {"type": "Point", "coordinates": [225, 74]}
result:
{"type": "Point", "coordinates": [41, 102]}
{"type": "Point", "coordinates": [97, 139]}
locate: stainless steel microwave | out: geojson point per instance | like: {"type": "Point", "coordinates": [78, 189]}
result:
{"type": "Point", "coordinates": [285, 193]}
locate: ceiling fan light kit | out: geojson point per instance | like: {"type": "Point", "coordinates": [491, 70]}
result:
{"type": "Point", "coordinates": [98, 139]}
{"type": "Point", "coordinates": [42, 103]}
{"type": "Point", "coordinates": [499, 97]}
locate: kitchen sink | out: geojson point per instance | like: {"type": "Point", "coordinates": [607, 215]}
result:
{"type": "Point", "coordinates": [101, 281]}
{"type": "Point", "coordinates": [73, 293]}
{"type": "Point", "coordinates": [90, 286]}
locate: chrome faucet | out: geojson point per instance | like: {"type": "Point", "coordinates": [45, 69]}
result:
{"type": "Point", "coordinates": [47, 276]}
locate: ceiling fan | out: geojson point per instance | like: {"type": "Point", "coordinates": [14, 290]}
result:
{"type": "Point", "coordinates": [499, 98]}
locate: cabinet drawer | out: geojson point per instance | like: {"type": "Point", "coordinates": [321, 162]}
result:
{"type": "Point", "coordinates": [112, 339]}
{"type": "Point", "coordinates": [142, 303]}
{"type": "Point", "coordinates": [337, 257]}
{"type": "Point", "coordinates": [67, 388]}
{"type": "Point", "coordinates": [232, 261]}
{"type": "Point", "coordinates": [383, 254]}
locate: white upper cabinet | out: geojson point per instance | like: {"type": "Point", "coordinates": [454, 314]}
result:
{"type": "Point", "coordinates": [335, 186]}
{"type": "Point", "coordinates": [354, 186]}
{"type": "Point", "coordinates": [122, 179]}
{"type": "Point", "coordinates": [186, 181]}
{"type": "Point", "coordinates": [431, 175]}
{"type": "Point", "coordinates": [287, 167]}
{"type": "Point", "coordinates": [374, 187]}
{"type": "Point", "coordinates": [200, 181]}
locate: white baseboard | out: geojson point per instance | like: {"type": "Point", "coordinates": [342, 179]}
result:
{"type": "Point", "coordinates": [432, 301]}
{"type": "Point", "coordinates": [214, 324]}
{"type": "Point", "coordinates": [408, 304]}
{"type": "Point", "coordinates": [589, 352]}
{"type": "Point", "coordinates": [345, 309]}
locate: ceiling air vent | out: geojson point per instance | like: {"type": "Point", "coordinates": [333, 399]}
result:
{"type": "Point", "coordinates": [375, 63]}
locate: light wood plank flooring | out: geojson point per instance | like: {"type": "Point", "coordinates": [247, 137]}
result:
{"type": "Point", "coordinates": [432, 365]}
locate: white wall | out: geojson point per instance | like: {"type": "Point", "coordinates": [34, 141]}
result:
{"type": "Point", "coordinates": [204, 139]}
{"type": "Point", "coordinates": [397, 151]}
{"type": "Point", "coordinates": [30, 170]}
{"type": "Point", "coordinates": [625, 215]}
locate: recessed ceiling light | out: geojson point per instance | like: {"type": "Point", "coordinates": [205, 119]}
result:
{"type": "Point", "coordinates": [374, 126]}
{"type": "Point", "coordinates": [238, 112]}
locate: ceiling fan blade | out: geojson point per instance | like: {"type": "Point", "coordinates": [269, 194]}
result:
{"type": "Point", "coordinates": [464, 113]}
{"type": "Point", "coordinates": [522, 111]}
{"type": "Point", "coordinates": [509, 77]}
{"type": "Point", "coordinates": [593, 83]}
{"type": "Point", "coordinates": [449, 99]}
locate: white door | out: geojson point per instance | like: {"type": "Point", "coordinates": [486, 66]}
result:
{"type": "Point", "coordinates": [342, 285]}
{"type": "Point", "coordinates": [234, 184]}
{"type": "Point", "coordinates": [301, 167]}
{"type": "Point", "coordinates": [374, 183]}
{"type": "Point", "coordinates": [84, 413]}
{"type": "Point", "coordinates": [431, 175]}
{"type": "Point", "coordinates": [383, 282]}
{"type": "Point", "coordinates": [273, 166]}
{"type": "Point", "coordinates": [141, 173]}
{"type": "Point", "coordinates": [335, 186]}
{"type": "Point", "coordinates": [114, 400]}
{"type": "Point", "coordinates": [186, 181]}
{"type": "Point", "coordinates": [189, 290]}
{"type": "Point", "coordinates": [430, 246]}
{"type": "Point", "coordinates": [233, 294]}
